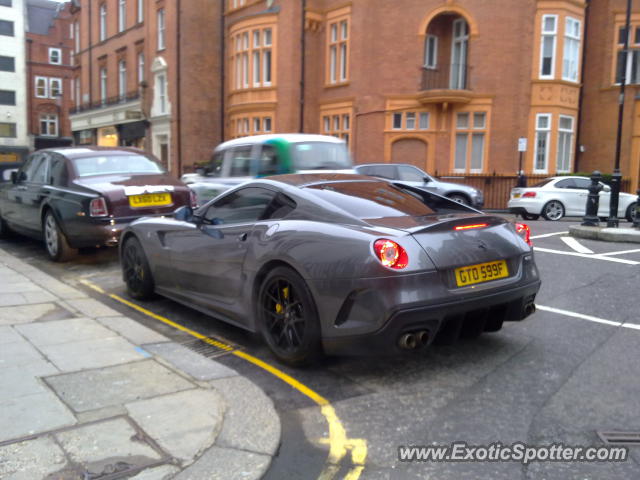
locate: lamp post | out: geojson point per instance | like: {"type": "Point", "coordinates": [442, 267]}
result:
{"type": "Point", "coordinates": [616, 178]}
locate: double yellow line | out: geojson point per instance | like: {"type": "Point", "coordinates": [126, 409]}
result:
{"type": "Point", "coordinates": [339, 444]}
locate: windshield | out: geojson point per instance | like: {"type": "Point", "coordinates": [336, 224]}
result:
{"type": "Point", "coordinates": [370, 200]}
{"type": "Point", "coordinates": [320, 156]}
{"type": "Point", "coordinates": [115, 164]}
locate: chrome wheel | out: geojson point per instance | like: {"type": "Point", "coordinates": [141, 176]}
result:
{"type": "Point", "coordinates": [51, 236]}
{"type": "Point", "coordinates": [554, 210]}
{"type": "Point", "coordinates": [459, 199]}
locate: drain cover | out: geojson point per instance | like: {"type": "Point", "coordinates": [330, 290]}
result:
{"type": "Point", "coordinates": [209, 347]}
{"type": "Point", "coordinates": [620, 437]}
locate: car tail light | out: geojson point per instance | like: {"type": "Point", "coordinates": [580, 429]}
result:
{"type": "Point", "coordinates": [98, 207]}
{"type": "Point", "coordinates": [524, 231]}
{"type": "Point", "coordinates": [529, 195]}
{"type": "Point", "coordinates": [471, 227]}
{"type": "Point", "coordinates": [194, 199]}
{"type": "Point", "coordinates": [391, 254]}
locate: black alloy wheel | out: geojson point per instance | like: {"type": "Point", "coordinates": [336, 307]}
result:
{"type": "Point", "coordinates": [137, 274]}
{"type": "Point", "coordinates": [288, 319]}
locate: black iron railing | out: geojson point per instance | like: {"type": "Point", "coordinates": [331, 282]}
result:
{"type": "Point", "coordinates": [107, 102]}
{"type": "Point", "coordinates": [451, 76]}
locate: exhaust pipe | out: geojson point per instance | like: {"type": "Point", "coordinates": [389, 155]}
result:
{"type": "Point", "coordinates": [422, 338]}
{"type": "Point", "coordinates": [529, 308]}
{"type": "Point", "coordinates": [407, 341]}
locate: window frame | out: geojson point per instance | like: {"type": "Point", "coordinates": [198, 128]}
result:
{"type": "Point", "coordinates": [547, 132]}
{"type": "Point", "coordinates": [52, 81]}
{"type": "Point", "coordinates": [571, 136]}
{"type": "Point", "coordinates": [102, 22]}
{"type": "Point", "coordinates": [11, 24]}
{"type": "Point", "coordinates": [122, 15]}
{"type": "Point", "coordinates": [554, 36]}
{"type": "Point", "coordinates": [49, 119]}
{"type": "Point", "coordinates": [52, 51]}
{"type": "Point", "coordinates": [574, 42]}
{"type": "Point", "coordinates": [430, 63]}
{"type": "Point", "coordinates": [46, 87]}
{"type": "Point", "coordinates": [470, 131]}
{"type": "Point", "coordinates": [122, 79]}
{"type": "Point", "coordinates": [337, 50]}
{"type": "Point", "coordinates": [161, 27]}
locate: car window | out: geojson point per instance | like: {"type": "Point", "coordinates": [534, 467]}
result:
{"type": "Point", "coordinates": [31, 165]}
{"type": "Point", "coordinates": [109, 164]}
{"type": "Point", "coordinates": [410, 174]}
{"type": "Point", "coordinates": [281, 206]}
{"type": "Point", "coordinates": [567, 183]}
{"type": "Point", "coordinates": [58, 175]}
{"type": "Point", "coordinates": [268, 164]}
{"type": "Point", "coordinates": [320, 155]}
{"type": "Point", "coordinates": [542, 183]}
{"type": "Point", "coordinates": [246, 205]}
{"type": "Point", "coordinates": [582, 183]}
{"type": "Point", "coordinates": [375, 199]}
{"type": "Point", "coordinates": [39, 173]}
{"type": "Point", "coordinates": [214, 169]}
{"type": "Point", "coordinates": [384, 171]}
{"type": "Point", "coordinates": [240, 160]}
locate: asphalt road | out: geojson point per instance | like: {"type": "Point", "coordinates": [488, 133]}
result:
{"type": "Point", "coordinates": [555, 377]}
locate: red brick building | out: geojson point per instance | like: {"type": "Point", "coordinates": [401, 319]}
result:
{"type": "Point", "coordinates": [144, 78]}
{"type": "Point", "coordinates": [450, 86]}
{"type": "Point", "coordinates": [49, 59]}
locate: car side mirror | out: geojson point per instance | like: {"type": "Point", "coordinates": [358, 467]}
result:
{"type": "Point", "coordinates": [426, 179]}
{"type": "Point", "coordinates": [201, 171]}
{"type": "Point", "coordinates": [14, 176]}
{"type": "Point", "coordinates": [606, 189]}
{"type": "Point", "coordinates": [183, 214]}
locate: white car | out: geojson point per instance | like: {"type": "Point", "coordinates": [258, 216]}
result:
{"type": "Point", "coordinates": [556, 197]}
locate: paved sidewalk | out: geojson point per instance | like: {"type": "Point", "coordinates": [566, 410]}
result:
{"type": "Point", "coordinates": [88, 393]}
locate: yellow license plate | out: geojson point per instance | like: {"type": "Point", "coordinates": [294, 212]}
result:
{"type": "Point", "coordinates": [150, 200]}
{"type": "Point", "coordinates": [482, 272]}
{"type": "Point", "coordinates": [516, 195]}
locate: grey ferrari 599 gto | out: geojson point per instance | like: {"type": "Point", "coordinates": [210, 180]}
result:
{"type": "Point", "coordinates": [337, 264]}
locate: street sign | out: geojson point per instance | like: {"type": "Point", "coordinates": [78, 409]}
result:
{"type": "Point", "coordinates": [522, 144]}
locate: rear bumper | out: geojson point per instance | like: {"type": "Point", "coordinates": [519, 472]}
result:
{"type": "Point", "coordinates": [525, 205]}
{"type": "Point", "coordinates": [486, 312]}
{"type": "Point", "coordinates": [104, 232]}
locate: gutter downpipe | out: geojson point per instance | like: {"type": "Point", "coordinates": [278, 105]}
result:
{"type": "Point", "coordinates": [178, 87]}
{"type": "Point", "coordinates": [223, 60]}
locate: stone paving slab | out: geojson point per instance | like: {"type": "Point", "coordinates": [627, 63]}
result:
{"type": "Point", "coordinates": [64, 331]}
{"type": "Point", "coordinates": [16, 382]}
{"type": "Point", "coordinates": [116, 385]}
{"type": "Point", "coordinates": [165, 472]}
{"type": "Point", "coordinates": [92, 308]}
{"type": "Point", "coordinates": [41, 296]}
{"type": "Point", "coordinates": [25, 314]}
{"type": "Point", "coordinates": [9, 335]}
{"type": "Point", "coordinates": [182, 432]}
{"type": "Point", "coordinates": [73, 356]}
{"type": "Point", "coordinates": [189, 361]}
{"type": "Point", "coordinates": [111, 438]}
{"type": "Point", "coordinates": [219, 463]}
{"type": "Point", "coordinates": [30, 460]}
{"type": "Point", "coordinates": [19, 353]}
{"type": "Point", "coordinates": [132, 330]}
{"type": "Point", "coordinates": [32, 414]}
{"type": "Point", "coordinates": [248, 409]}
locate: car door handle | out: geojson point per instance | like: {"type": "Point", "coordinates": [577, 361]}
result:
{"type": "Point", "coordinates": [242, 237]}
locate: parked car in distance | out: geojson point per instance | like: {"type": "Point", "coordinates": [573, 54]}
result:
{"type": "Point", "coordinates": [84, 196]}
{"type": "Point", "coordinates": [337, 263]}
{"type": "Point", "coordinates": [557, 197]}
{"type": "Point", "coordinates": [412, 175]}
{"type": "Point", "coordinates": [242, 159]}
